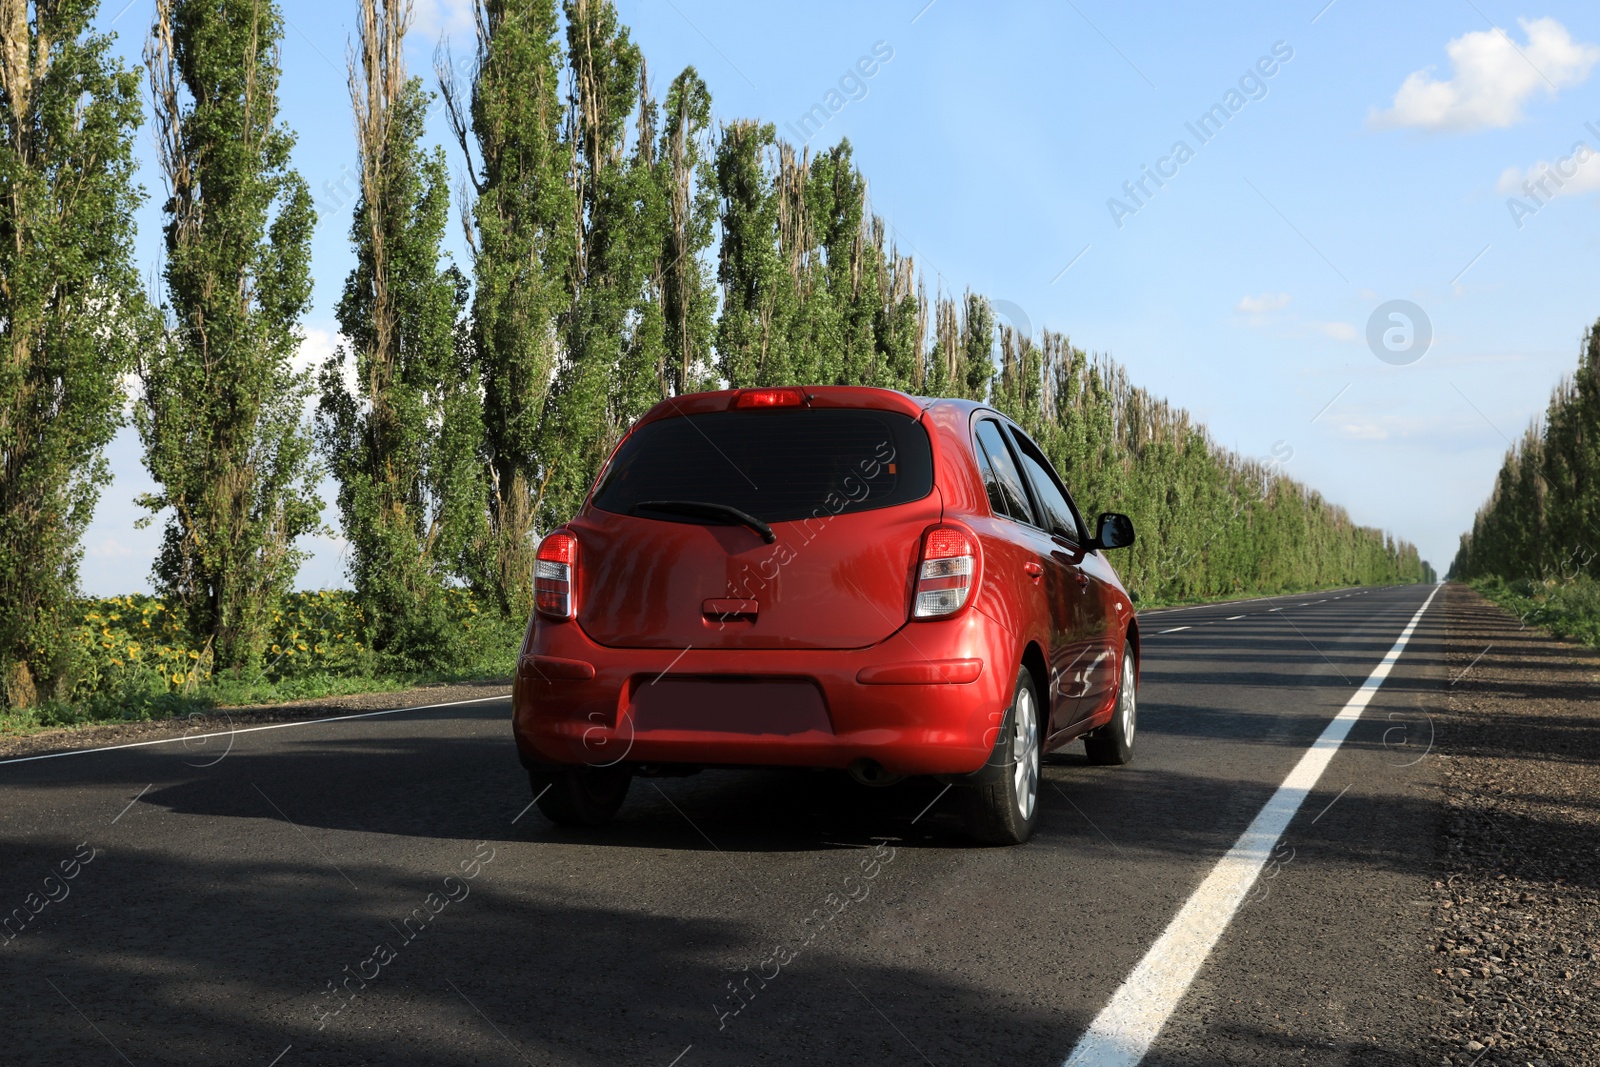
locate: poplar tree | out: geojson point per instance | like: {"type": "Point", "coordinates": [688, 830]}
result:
{"type": "Point", "coordinates": [70, 308]}
{"type": "Point", "coordinates": [402, 434]}
{"type": "Point", "coordinates": [221, 414]}
{"type": "Point", "coordinates": [1542, 517]}
{"type": "Point", "coordinates": [617, 237]}
{"type": "Point", "coordinates": [688, 298]}
{"type": "Point", "coordinates": [758, 287]}
{"type": "Point", "coordinates": [521, 228]}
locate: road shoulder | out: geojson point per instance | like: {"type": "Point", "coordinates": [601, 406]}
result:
{"type": "Point", "coordinates": [1516, 919]}
{"type": "Point", "coordinates": [99, 735]}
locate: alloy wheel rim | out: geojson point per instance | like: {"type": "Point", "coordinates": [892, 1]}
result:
{"type": "Point", "coordinates": [1129, 696]}
{"type": "Point", "coordinates": [1025, 752]}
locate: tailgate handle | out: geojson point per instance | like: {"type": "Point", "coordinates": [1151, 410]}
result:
{"type": "Point", "coordinates": [724, 609]}
{"type": "Point", "coordinates": [1035, 571]}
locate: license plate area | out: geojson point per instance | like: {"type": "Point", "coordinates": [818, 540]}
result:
{"type": "Point", "coordinates": [780, 706]}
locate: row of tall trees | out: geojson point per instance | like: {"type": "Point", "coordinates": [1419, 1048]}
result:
{"type": "Point", "coordinates": [621, 249]}
{"type": "Point", "coordinates": [1542, 518]}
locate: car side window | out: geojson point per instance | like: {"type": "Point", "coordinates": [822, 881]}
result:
{"type": "Point", "coordinates": [1060, 515]}
{"type": "Point", "coordinates": [1007, 497]}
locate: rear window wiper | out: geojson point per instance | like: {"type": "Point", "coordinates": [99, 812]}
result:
{"type": "Point", "coordinates": [704, 509]}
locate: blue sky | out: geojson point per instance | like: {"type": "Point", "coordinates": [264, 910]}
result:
{"type": "Point", "coordinates": [1384, 158]}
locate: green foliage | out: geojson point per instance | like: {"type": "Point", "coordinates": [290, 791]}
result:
{"type": "Point", "coordinates": [1542, 518]}
{"type": "Point", "coordinates": [523, 244]}
{"type": "Point", "coordinates": [71, 313]}
{"type": "Point", "coordinates": [402, 437]}
{"type": "Point", "coordinates": [221, 412]}
{"type": "Point", "coordinates": [1567, 607]}
{"type": "Point", "coordinates": [687, 178]}
{"type": "Point", "coordinates": [604, 378]}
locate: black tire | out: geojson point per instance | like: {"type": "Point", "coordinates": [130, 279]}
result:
{"type": "Point", "coordinates": [1112, 744]}
{"type": "Point", "coordinates": [1002, 807]}
{"type": "Point", "coordinates": [580, 796]}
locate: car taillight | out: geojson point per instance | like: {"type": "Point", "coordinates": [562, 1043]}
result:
{"type": "Point", "coordinates": [552, 575]}
{"type": "Point", "coordinates": [770, 398]}
{"type": "Point", "coordinates": [944, 578]}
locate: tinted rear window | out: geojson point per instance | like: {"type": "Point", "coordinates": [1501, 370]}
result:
{"type": "Point", "coordinates": [780, 466]}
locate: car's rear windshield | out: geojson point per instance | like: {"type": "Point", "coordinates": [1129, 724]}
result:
{"type": "Point", "coordinates": [778, 466]}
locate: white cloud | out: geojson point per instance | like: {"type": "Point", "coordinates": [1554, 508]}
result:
{"type": "Point", "coordinates": [1339, 331]}
{"type": "Point", "coordinates": [1491, 79]}
{"type": "Point", "coordinates": [1263, 304]}
{"type": "Point", "coordinates": [1572, 174]}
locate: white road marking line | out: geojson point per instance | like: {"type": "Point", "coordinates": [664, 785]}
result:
{"type": "Point", "coordinates": [1233, 618]}
{"type": "Point", "coordinates": [252, 729]}
{"type": "Point", "coordinates": [1174, 630]}
{"type": "Point", "coordinates": [1126, 1027]}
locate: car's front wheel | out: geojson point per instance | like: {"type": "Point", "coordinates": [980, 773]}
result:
{"type": "Point", "coordinates": [1002, 808]}
{"type": "Point", "coordinates": [1112, 744]}
{"type": "Point", "coordinates": [580, 796]}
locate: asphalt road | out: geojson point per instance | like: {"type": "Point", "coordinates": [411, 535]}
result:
{"type": "Point", "coordinates": [233, 884]}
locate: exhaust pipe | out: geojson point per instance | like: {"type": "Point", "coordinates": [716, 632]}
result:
{"type": "Point", "coordinates": [871, 772]}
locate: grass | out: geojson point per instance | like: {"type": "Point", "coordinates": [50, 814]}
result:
{"type": "Point", "coordinates": [1567, 608]}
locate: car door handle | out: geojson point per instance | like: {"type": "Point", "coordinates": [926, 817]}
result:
{"type": "Point", "coordinates": [1035, 570]}
{"type": "Point", "coordinates": [1083, 579]}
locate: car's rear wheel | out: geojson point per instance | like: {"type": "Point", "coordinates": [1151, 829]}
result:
{"type": "Point", "coordinates": [580, 796]}
{"type": "Point", "coordinates": [1003, 807]}
{"type": "Point", "coordinates": [1112, 744]}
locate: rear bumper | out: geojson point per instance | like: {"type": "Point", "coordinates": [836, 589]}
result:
{"type": "Point", "coordinates": [928, 700]}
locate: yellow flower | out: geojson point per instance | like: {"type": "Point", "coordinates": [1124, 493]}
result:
{"type": "Point", "coordinates": [301, 646]}
{"type": "Point", "coordinates": [107, 644]}
{"type": "Point", "coordinates": [115, 662]}
{"type": "Point", "coordinates": [194, 655]}
{"type": "Point", "coordinates": [275, 649]}
{"type": "Point", "coordinates": [177, 679]}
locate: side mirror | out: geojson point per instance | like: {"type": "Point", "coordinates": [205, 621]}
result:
{"type": "Point", "coordinates": [1115, 531]}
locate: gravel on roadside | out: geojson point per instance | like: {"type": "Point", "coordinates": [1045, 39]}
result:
{"type": "Point", "coordinates": [1516, 919]}
{"type": "Point", "coordinates": [97, 735]}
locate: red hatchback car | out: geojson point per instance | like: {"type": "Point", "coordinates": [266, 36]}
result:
{"type": "Point", "coordinates": [835, 577]}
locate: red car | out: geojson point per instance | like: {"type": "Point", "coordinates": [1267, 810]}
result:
{"type": "Point", "coordinates": [836, 577]}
